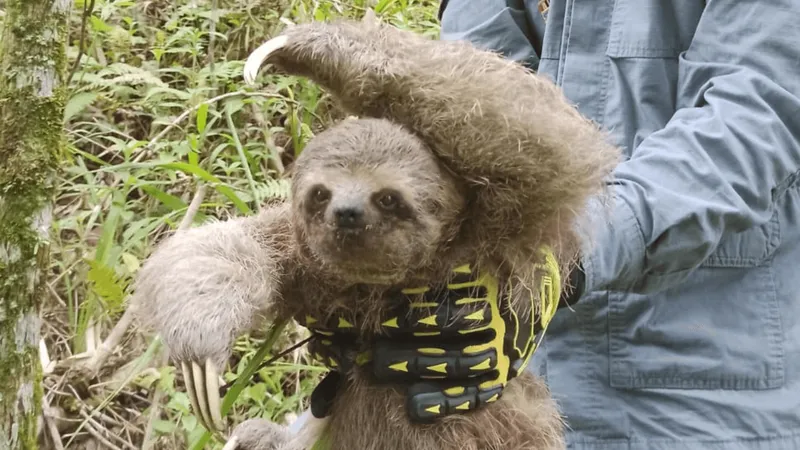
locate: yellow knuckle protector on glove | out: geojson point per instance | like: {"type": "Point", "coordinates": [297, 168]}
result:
{"type": "Point", "coordinates": [457, 346]}
{"type": "Point", "coordinates": [514, 337]}
{"type": "Point", "coordinates": [508, 333]}
{"type": "Point", "coordinates": [526, 340]}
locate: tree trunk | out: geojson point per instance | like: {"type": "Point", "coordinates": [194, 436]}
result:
{"type": "Point", "coordinates": [32, 96]}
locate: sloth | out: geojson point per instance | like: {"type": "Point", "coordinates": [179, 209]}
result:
{"type": "Point", "coordinates": [454, 155]}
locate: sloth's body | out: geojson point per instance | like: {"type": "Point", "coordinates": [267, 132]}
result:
{"type": "Point", "coordinates": [460, 157]}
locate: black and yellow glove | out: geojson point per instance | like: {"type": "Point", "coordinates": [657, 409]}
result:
{"type": "Point", "coordinates": [455, 346]}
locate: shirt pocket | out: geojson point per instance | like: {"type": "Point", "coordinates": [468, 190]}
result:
{"type": "Point", "coordinates": [749, 248]}
{"type": "Point", "coordinates": [652, 28]}
{"type": "Point", "coordinates": [720, 329]}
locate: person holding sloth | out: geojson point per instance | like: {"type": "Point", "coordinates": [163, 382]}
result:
{"type": "Point", "coordinates": [683, 329]}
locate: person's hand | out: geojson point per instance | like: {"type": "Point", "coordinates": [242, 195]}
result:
{"type": "Point", "coordinates": [455, 347]}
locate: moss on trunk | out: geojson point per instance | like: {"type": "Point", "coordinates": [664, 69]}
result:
{"type": "Point", "coordinates": [32, 95]}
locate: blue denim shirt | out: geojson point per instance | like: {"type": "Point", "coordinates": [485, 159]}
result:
{"type": "Point", "coordinates": [689, 334]}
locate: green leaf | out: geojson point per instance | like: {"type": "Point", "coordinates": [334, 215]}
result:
{"type": "Point", "coordinates": [234, 105]}
{"type": "Point", "coordinates": [110, 226]}
{"type": "Point", "coordinates": [194, 157]}
{"type": "Point", "coordinates": [104, 283]}
{"type": "Point", "coordinates": [189, 422]}
{"type": "Point", "coordinates": [382, 5]}
{"type": "Point", "coordinates": [192, 138]}
{"type": "Point", "coordinates": [98, 24]}
{"type": "Point", "coordinates": [163, 426]}
{"type": "Point", "coordinates": [170, 201]}
{"type": "Point", "coordinates": [78, 103]}
{"type": "Point", "coordinates": [218, 184]}
{"type": "Point", "coordinates": [131, 262]}
{"type": "Point", "coordinates": [202, 116]}
{"type": "Point", "coordinates": [167, 380]}
{"type": "Point", "coordinates": [242, 156]}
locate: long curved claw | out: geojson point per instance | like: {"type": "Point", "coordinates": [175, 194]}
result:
{"type": "Point", "coordinates": [259, 55]}
{"type": "Point", "coordinates": [232, 444]}
{"type": "Point", "coordinates": [202, 385]}
{"type": "Point", "coordinates": [212, 391]}
{"type": "Point", "coordinates": [188, 378]}
{"type": "Point", "coordinates": [202, 398]}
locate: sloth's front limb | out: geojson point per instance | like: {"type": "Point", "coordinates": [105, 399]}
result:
{"type": "Point", "coordinates": [529, 155]}
{"type": "Point", "coordinates": [204, 287]}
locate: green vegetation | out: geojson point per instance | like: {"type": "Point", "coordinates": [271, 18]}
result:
{"type": "Point", "coordinates": [157, 115]}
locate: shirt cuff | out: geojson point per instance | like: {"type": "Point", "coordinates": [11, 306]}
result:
{"type": "Point", "coordinates": [613, 248]}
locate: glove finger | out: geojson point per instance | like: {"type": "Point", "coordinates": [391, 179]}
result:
{"type": "Point", "coordinates": [324, 394]}
{"type": "Point", "coordinates": [461, 304]}
{"type": "Point", "coordinates": [335, 353]}
{"type": "Point", "coordinates": [446, 319]}
{"type": "Point", "coordinates": [428, 401]}
{"type": "Point", "coordinates": [335, 326]}
{"type": "Point", "coordinates": [325, 350]}
{"type": "Point", "coordinates": [414, 318]}
{"type": "Point", "coordinates": [403, 362]}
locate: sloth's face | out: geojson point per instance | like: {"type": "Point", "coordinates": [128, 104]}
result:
{"type": "Point", "coordinates": [373, 202]}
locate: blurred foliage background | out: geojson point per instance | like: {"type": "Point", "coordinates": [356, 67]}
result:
{"type": "Point", "coordinates": [157, 116]}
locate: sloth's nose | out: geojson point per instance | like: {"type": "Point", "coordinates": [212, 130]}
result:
{"type": "Point", "coordinates": [349, 217]}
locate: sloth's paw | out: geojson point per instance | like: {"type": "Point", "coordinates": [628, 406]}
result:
{"type": "Point", "coordinates": [322, 49]}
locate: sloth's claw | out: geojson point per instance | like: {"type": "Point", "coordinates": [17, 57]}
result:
{"type": "Point", "coordinates": [232, 444]}
{"type": "Point", "coordinates": [202, 385]}
{"type": "Point", "coordinates": [212, 390]}
{"type": "Point", "coordinates": [202, 397]}
{"type": "Point", "coordinates": [188, 378]}
{"type": "Point", "coordinates": [261, 54]}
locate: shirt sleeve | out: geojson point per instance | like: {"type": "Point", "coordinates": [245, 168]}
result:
{"type": "Point", "coordinates": [493, 25]}
{"type": "Point", "coordinates": [733, 143]}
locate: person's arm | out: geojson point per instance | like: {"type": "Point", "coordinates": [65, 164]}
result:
{"type": "Point", "coordinates": [733, 143]}
{"type": "Point", "coordinates": [495, 25]}
{"type": "Point", "coordinates": [714, 168]}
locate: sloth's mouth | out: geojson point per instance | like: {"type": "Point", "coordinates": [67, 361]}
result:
{"type": "Point", "coordinates": [361, 268]}
{"type": "Point", "coordinates": [378, 278]}
{"type": "Point", "coordinates": [348, 238]}
{"type": "Point", "coordinates": [364, 255]}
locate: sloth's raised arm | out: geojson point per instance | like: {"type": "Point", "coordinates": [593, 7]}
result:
{"type": "Point", "coordinates": [532, 158]}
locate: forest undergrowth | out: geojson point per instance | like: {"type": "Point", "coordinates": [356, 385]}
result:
{"type": "Point", "coordinates": [161, 133]}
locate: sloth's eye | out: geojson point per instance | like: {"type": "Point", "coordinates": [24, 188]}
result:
{"type": "Point", "coordinates": [320, 195]}
{"type": "Point", "coordinates": [388, 201]}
